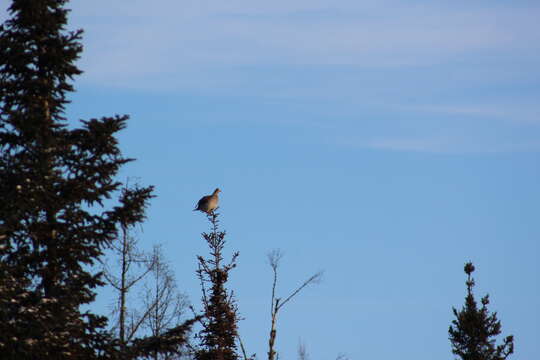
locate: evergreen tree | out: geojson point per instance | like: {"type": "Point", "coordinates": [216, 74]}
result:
{"type": "Point", "coordinates": [55, 183]}
{"type": "Point", "coordinates": [474, 330]}
{"type": "Point", "coordinates": [220, 322]}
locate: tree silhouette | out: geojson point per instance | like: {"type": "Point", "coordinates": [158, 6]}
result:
{"type": "Point", "coordinates": [56, 182]}
{"type": "Point", "coordinates": [220, 322]}
{"type": "Point", "coordinates": [473, 332]}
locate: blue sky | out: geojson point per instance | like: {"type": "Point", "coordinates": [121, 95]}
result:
{"type": "Point", "coordinates": [384, 142]}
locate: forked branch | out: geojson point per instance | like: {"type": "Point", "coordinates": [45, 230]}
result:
{"type": "Point", "coordinates": [274, 258]}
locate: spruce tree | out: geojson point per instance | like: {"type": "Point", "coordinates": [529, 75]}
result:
{"type": "Point", "coordinates": [55, 186]}
{"type": "Point", "coordinates": [473, 333]}
{"type": "Point", "coordinates": [220, 322]}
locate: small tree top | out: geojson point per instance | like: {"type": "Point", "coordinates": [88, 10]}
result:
{"type": "Point", "coordinates": [473, 333]}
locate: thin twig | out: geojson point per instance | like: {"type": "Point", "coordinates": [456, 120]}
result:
{"type": "Point", "coordinates": [242, 347]}
{"type": "Point", "coordinates": [313, 279]}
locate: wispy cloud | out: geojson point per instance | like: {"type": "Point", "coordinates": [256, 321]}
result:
{"type": "Point", "coordinates": [127, 42]}
{"type": "Point", "coordinates": [136, 39]}
{"type": "Point", "coordinates": [516, 112]}
{"type": "Point", "coordinates": [442, 145]}
{"type": "Point", "coordinates": [428, 66]}
{"type": "Point", "coordinates": [409, 144]}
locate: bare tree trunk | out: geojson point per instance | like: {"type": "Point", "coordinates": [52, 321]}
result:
{"type": "Point", "coordinates": [272, 339]}
{"type": "Point", "coordinates": [126, 274]}
{"type": "Point", "coordinates": [123, 290]}
{"type": "Point", "coordinates": [274, 258]}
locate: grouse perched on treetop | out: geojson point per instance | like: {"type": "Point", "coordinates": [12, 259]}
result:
{"type": "Point", "coordinates": [208, 203]}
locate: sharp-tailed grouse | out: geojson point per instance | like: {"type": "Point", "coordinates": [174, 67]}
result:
{"type": "Point", "coordinates": [208, 203]}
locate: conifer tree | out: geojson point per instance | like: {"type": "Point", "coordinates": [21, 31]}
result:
{"type": "Point", "coordinates": [220, 322]}
{"type": "Point", "coordinates": [473, 333]}
{"type": "Point", "coordinates": [55, 184]}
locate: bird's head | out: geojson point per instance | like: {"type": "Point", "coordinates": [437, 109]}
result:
{"type": "Point", "coordinates": [217, 191]}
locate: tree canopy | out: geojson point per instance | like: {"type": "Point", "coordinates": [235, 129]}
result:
{"type": "Point", "coordinates": [473, 333]}
{"type": "Point", "coordinates": [56, 185]}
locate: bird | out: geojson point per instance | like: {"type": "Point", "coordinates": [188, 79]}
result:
{"type": "Point", "coordinates": [208, 203]}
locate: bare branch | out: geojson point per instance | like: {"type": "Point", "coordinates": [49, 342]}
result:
{"type": "Point", "coordinates": [314, 279]}
{"type": "Point", "coordinates": [274, 258]}
{"type": "Point", "coordinates": [138, 322]}
{"type": "Point", "coordinates": [242, 347]}
{"type": "Point", "coordinates": [302, 352]}
{"type": "Point", "coordinates": [162, 300]}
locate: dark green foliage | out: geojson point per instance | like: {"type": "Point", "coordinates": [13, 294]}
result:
{"type": "Point", "coordinates": [474, 330]}
{"type": "Point", "coordinates": [220, 322]}
{"type": "Point", "coordinates": [54, 182]}
{"type": "Point", "coordinates": [170, 343]}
